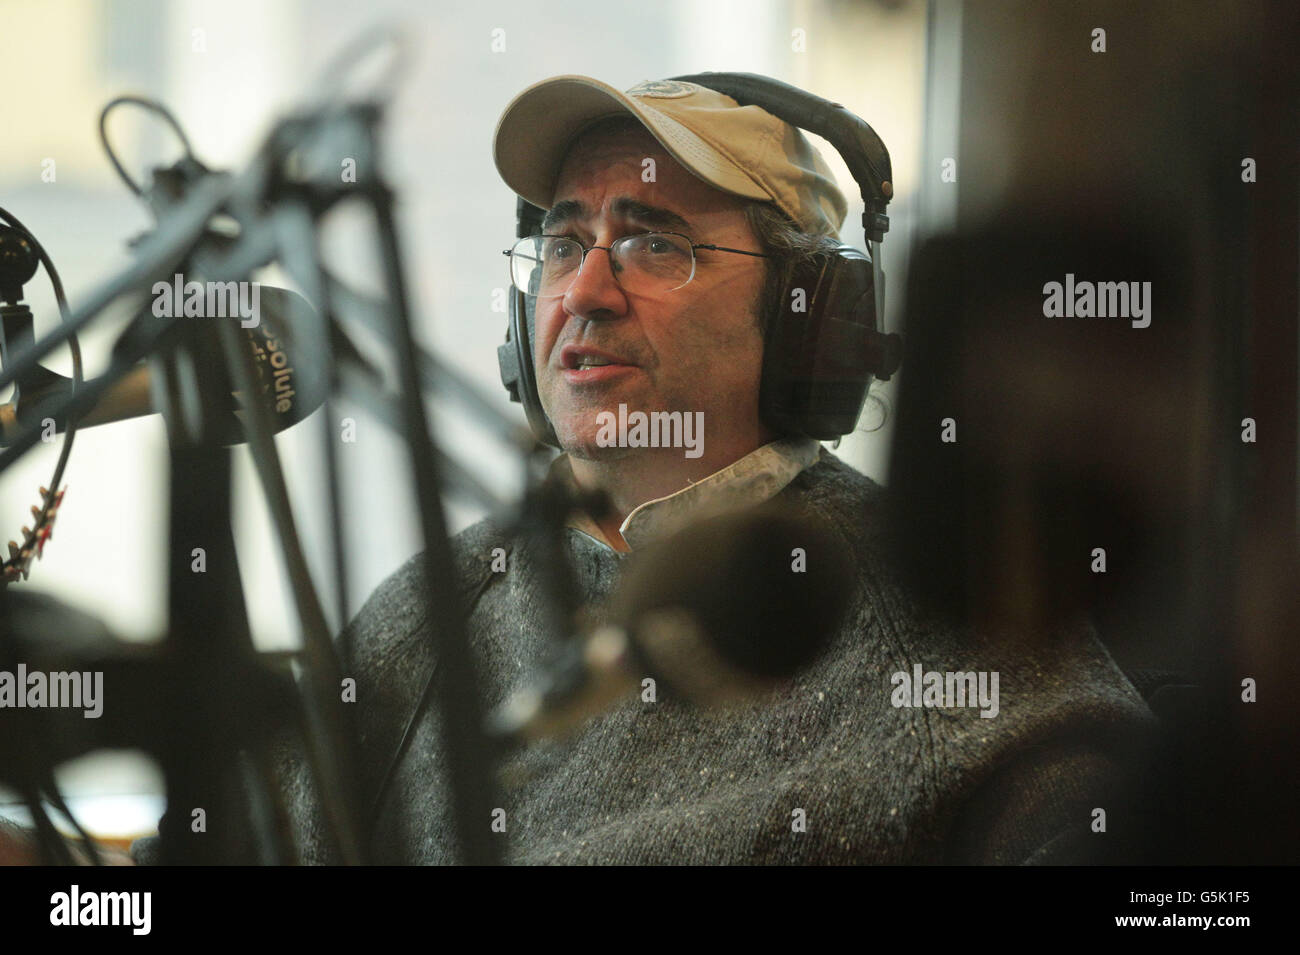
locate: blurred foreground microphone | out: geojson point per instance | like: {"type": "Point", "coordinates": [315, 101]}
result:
{"type": "Point", "coordinates": [287, 353]}
{"type": "Point", "coordinates": [722, 612]}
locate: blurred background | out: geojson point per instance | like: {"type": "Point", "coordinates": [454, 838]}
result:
{"type": "Point", "coordinates": [227, 70]}
{"type": "Point", "coordinates": [1115, 141]}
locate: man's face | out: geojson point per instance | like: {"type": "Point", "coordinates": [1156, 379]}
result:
{"type": "Point", "coordinates": [698, 348]}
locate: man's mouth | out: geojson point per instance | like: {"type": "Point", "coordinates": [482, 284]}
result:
{"type": "Point", "coordinates": [588, 367]}
{"type": "Point", "coordinates": [584, 356]}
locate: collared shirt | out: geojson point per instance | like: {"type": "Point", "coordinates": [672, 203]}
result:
{"type": "Point", "coordinates": [757, 477]}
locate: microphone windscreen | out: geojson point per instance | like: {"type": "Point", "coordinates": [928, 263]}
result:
{"type": "Point", "coordinates": [766, 588]}
{"type": "Point", "coordinates": [290, 358]}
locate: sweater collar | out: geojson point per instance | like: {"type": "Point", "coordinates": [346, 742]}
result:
{"type": "Point", "coordinates": [757, 477]}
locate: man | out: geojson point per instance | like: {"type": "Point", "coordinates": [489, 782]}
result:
{"type": "Point", "coordinates": [678, 215]}
{"type": "Point", "coordinates": [841, 766]}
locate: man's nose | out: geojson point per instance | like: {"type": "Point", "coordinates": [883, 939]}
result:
{"type": "Point", "coordinates": [595, 293]}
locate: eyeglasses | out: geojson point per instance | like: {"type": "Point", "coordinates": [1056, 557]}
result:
{"type": "Point", "coordinates": [646, 264]}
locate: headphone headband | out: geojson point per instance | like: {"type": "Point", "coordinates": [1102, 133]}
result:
{"type": "Point", "coordinates": [862, 150]}
{"type": "Point", "coordinates": [824, 349]}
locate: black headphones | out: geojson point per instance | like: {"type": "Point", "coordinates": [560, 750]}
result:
{"type": "Point", "coordinates": [819, 360]}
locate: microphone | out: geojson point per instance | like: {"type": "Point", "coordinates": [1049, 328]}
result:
{"type": "Point", "coordinates": [721, 613]}
{"type": "Point", "coordinates": [288, 357]}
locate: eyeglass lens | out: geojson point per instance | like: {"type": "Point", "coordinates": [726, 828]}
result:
{"type": "Point", "coordinates": [643, 264]}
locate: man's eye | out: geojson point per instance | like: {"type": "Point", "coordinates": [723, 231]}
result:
{"type": "Point", "coordinates": [652, 245]}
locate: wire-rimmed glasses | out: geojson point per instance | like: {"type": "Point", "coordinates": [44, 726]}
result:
{"type": "Point", "coordinates": [648, 263]}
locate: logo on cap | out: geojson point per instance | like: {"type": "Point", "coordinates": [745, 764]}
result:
{"type": "Point", "coordinates": [663, 89]}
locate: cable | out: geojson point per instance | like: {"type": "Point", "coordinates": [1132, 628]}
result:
{"type": "Point", "coordinates": [54, 851]}
{"type": "Point", "coordinates": [74, 346]}
{"type": "Point", "coordinates": [153, 106]}
{"type": "Point", "coordinates": [331, 83]}
{"type": "Point", "coordinates": [57, 801]}
{"type": "Point", "coordinates": [44, 827]}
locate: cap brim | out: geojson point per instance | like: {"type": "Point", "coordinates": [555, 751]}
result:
{"type": "Point", "coordinates": [538, 126]}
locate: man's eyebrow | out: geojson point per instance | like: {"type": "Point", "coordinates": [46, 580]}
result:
{"type": "Point", "coordinates": [625, 207]}
{"type": "Point", "coordinates": [562, 212]}
{"type": "Point", "coordinates": [653, 216]}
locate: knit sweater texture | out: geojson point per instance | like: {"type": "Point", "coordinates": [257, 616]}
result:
{"type": "Point", "coordinates": [829, 770]}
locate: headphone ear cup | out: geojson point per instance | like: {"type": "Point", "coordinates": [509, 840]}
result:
{"type": "Point", "coordinates": [818, 361]}
{"type": "Point", "coordinates": [515, 355]}
{"type": "Point", "coordinates": [543, 429]}
{"type": "Point", "coordinates": [515, 360]}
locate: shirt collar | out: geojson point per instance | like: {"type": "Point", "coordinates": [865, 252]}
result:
{"type": "Point", "coordinates": [757, 477]}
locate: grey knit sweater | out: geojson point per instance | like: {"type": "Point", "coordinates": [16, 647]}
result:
{"type": "Point", "coordinates": [666, 783]}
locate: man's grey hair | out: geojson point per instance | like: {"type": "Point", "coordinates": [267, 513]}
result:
{"type": "Point", "coordinates": [789, 246]}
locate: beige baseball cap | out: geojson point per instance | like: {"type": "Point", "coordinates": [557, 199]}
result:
{"type": "Point", "coordinates": [742, 150]}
